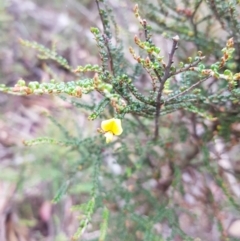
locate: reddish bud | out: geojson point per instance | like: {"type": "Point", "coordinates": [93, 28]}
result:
{"type": "Point", "coordinates": [78, 91]}
{"type": "Point", "coordinates": [230, 43]}
{"type": "Point", "coordinates": [135, 8]}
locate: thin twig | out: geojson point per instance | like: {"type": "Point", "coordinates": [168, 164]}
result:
{"type": "Point", "coordinates": [150, 55]}
{"type": "Point", "coordinates": [194, 25]}
{"type": "Point", "coordinates": [193, 15]}
{"type": "Point", "coordinates": [109, 55]}
{"type": "Point", "coordinates": [164, 79]}
{"type": "Point", "coordinates": [196, 8]}
{"type": "Point", "coordinates": [106, 38]}
{"type": "Point", "coordinates": [144, 128]}
{"type": "Point", "coordinates": [189, 66]}
{"type": "Point", "coordinates": [187, 90]}
{"type": "Point", "coordinates": [215, 12]}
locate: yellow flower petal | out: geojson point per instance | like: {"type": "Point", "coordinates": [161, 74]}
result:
{"type": "Point", "coordinates": [113, 125]}
{"type": "Point", "coordinates": [109, 136]}
{"type": "Point", "coordinates": [107, 125]}
{"type": "Point", "coordinates": [117, 127]}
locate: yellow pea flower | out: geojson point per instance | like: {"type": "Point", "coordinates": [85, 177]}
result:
{"type": "Point", "coordinates": [111, 127]}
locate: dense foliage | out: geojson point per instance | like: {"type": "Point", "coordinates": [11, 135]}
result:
{"type": "Point", "coordinates": [170, 174]}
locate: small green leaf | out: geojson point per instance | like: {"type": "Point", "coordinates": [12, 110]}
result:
{"type": "Point", "coordinates": [62, 190]}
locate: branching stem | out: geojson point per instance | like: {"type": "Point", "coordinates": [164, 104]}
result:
{"type": "Point", "coordinates": [106, 38]}
{"type": "Point", "coordinates": [167, 74]}
{"type": "Point", "coordinates": [189, 66]}
{"type": "Point", "coordinates": [187, 90]}
{"type": "Point", "coordinates": [147, 38]}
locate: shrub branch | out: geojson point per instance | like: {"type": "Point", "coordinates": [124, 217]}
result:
{"type": "Point", "coordinates": [167, 74]}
